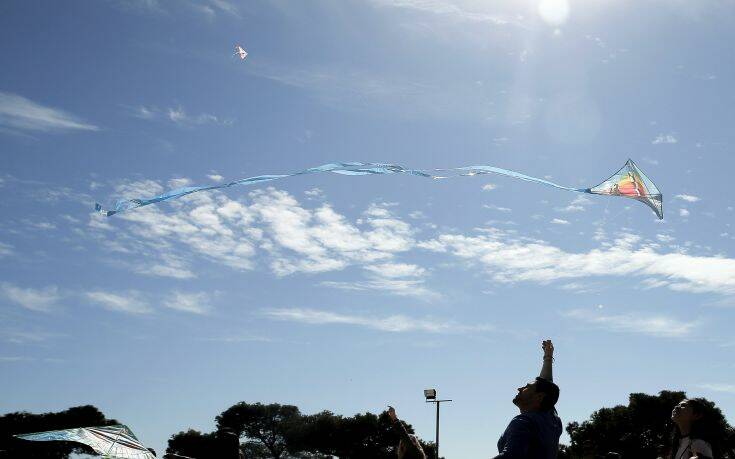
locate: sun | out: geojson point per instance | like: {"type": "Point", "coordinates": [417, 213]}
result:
{"type": "Point", "coordinates": [554, 12]}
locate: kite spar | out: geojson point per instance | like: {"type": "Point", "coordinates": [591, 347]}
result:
{"type": "Point", "coordinates": [628, 182]}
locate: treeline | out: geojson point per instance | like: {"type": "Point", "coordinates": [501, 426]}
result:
{"type": "Point", "coordinates": [282, 431]}
{"type": "Point", "coordinates": [22, 422]}
{"type": "Point", "coordinates": [642, 429]}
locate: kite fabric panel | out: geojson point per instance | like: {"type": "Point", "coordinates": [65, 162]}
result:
{"type": "Point", "coordinates": [114, 442]}
{"type": "Point", "coordinates": [628, 182]}
{"type": "Point", "coordinates": [631, 182]}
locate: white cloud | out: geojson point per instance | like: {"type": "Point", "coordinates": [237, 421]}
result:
{"type": "Point", "coordinates": [718, 387]}
{"type": "Point", "coordinates": [17, 112]}
{"type": "Point", "coordinates": [579, 204]}
{"type": "Point", "coordinates": [665, 238]}
{"type": "Point", "coordinates": [559, 221]}
{"type": "Point", "coordinates": [178, 115]}
{"type": "Point", "coordinates": [208, 8]}
{"type": "Point", "coordinates": [658, 326]}
{"type": "Point", "coordinates": [498, 208]}
{"type": "Point", "coordinates": [314, 193]}
{"type": "Point", "coordinates": [40, 300]}
{"type": "Point", "coordinates": [394, 323]}
{"type": "Point", "coordinates": [25, 336]}
{"type": "Point", "coordinates": [394, 278]}
{"type": "Point", "coordinates": [273, 228]}
{"type": "Point", "coordinates": [451, 10]}
{"type": "Point", "coordinates": [415, 288]}
{"type": "Point", "coordinates": [508, 258]}
{"type": "Point", "coordinates": [687, 197]}
{"type": "Point", "coordinates": [195, 303]}
{"type": "Point", "coordinates": [664, 139]}
{"type": "Point", "coordinates": [168, 266]}
{"type": "Point", "coordinates": [396, 270]}
{"type": "Point", "coordinates": [489, 187]}
{"type": "Point", "coordinates": [683, 213]}
{"type": "Point", "coordinates": [129, 303]}
{"type": "Point", "coordinates": [5, 250]}
{"type": "Point", "coordinates": [215, 177]}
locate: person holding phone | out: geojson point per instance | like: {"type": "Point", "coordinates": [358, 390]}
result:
{"type": "Point", "coordinates": [409, 446]}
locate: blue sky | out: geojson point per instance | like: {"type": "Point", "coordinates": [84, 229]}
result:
{"type": "Point", "coordinates": [349, 293]}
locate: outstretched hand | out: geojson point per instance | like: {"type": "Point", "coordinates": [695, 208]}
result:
{"type": "Point", "coordinates": [548, 348]}
{"type": "Point", "coordinates": [392, 413]}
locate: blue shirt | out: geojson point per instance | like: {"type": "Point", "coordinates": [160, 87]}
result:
{"type": "Point", "coordinates": [532, 435]}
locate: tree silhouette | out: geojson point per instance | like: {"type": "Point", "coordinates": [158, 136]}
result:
{"type": "Point", "coordinates": [277, 431]}
{"type": "Point", "coordinates": [641, 429]}
{"type": "Point", "coordinates": [24, 422]}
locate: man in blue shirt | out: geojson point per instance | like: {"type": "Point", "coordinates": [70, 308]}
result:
{"type": "Point", "coordinates": [534, 434]}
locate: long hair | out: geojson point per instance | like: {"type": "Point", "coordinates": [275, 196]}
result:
{"type": "Point", "coordinates": [701, 429]}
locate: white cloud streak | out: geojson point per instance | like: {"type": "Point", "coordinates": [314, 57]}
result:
{"type": "Point", "coordinates": [39, 300]}
{"type": "Point", "coordinates": [195, 303]}
{"type": "Point", "coordinates": [17, 112]}
{"type": "Point", "coordinates": [394, 323]}
{"type": "Point", "coordinates": [507, 258]}
{"type": "Point", "coordinates": [129, 303]}
{"type": "Point", "coordinates": [687, 197]}
{"type": "Point", "coordinates": [451, 10]}
{"type": "Point", "coordinates": [657, 326]}
{"type": "Point", "coordinates": [718, 387]}
{"type": "Point", "coordinates": [5, 250]}
{"type": "Point", "coordinates": [179, 116]}
{"type": "Point", "coordinates": [664, 139]}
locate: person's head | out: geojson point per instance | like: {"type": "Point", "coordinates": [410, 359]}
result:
{"type": "Point", "coordinates": [687, 414]}
{"type": "Point", "coordinates": [537, 395]}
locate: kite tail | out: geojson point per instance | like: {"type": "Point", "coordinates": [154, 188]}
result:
{"type": "Point", "coordinates": [617, 185]}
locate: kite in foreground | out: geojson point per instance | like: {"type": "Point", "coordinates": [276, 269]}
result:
{"type": "Point", "coordinates": [240, 52]}
{"type": "Point", "coordinates": [628, 182]}
{"type": "Point", "coordinates": [114, 442]}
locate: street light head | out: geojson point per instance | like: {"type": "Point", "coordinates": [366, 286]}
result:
{"type": "Point", "coordinates": [430, 394]}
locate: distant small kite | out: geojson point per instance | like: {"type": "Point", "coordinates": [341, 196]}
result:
{"type": "Point", "coordinates": [114, 442]}
{"type": "Point", "coordinates": [240, 52]}
{"type": "Point", "coordinates": [628, 182]}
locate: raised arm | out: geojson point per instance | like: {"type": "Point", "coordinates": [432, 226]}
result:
{"type": "Point", "coordinates": [398, 425]}
{"type": "Point", "coordinates": [546, 368]}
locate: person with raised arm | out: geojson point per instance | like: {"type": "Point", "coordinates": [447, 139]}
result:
{"type": "Point", "coordinates": [535, 432]}
{"type": "Point", "coordinates": [409, 446]}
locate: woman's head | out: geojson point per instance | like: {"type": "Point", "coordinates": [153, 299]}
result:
{"type": "Point", "coordinates": [687, 413]}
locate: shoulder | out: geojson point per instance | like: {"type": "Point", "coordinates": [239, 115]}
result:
{"type": "Point", "coordinates": [546, 420]}
{"type": "Point", "coordinates": [522, 421]}
{"type": "Point", "coordinates": [702, 447]}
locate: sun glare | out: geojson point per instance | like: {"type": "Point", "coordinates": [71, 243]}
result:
{"type": "Point", "coordinates": [554, 12]}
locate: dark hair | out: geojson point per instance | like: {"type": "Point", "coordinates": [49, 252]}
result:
{"type": "Point", "coordinates": [550, 391]}
{"type": "Point", "coordinates": [702, 428]}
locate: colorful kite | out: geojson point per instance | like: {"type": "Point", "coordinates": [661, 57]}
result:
{"type": "Point", "coordinates": [240, 52]}
{"type": "Point", "coordinates": [628, 182]}
{"type": "Point", "coordinates": [114, 442]}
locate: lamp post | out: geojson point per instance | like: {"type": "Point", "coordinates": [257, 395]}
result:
{"type": "Point", "coordinates": [430, 396]}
